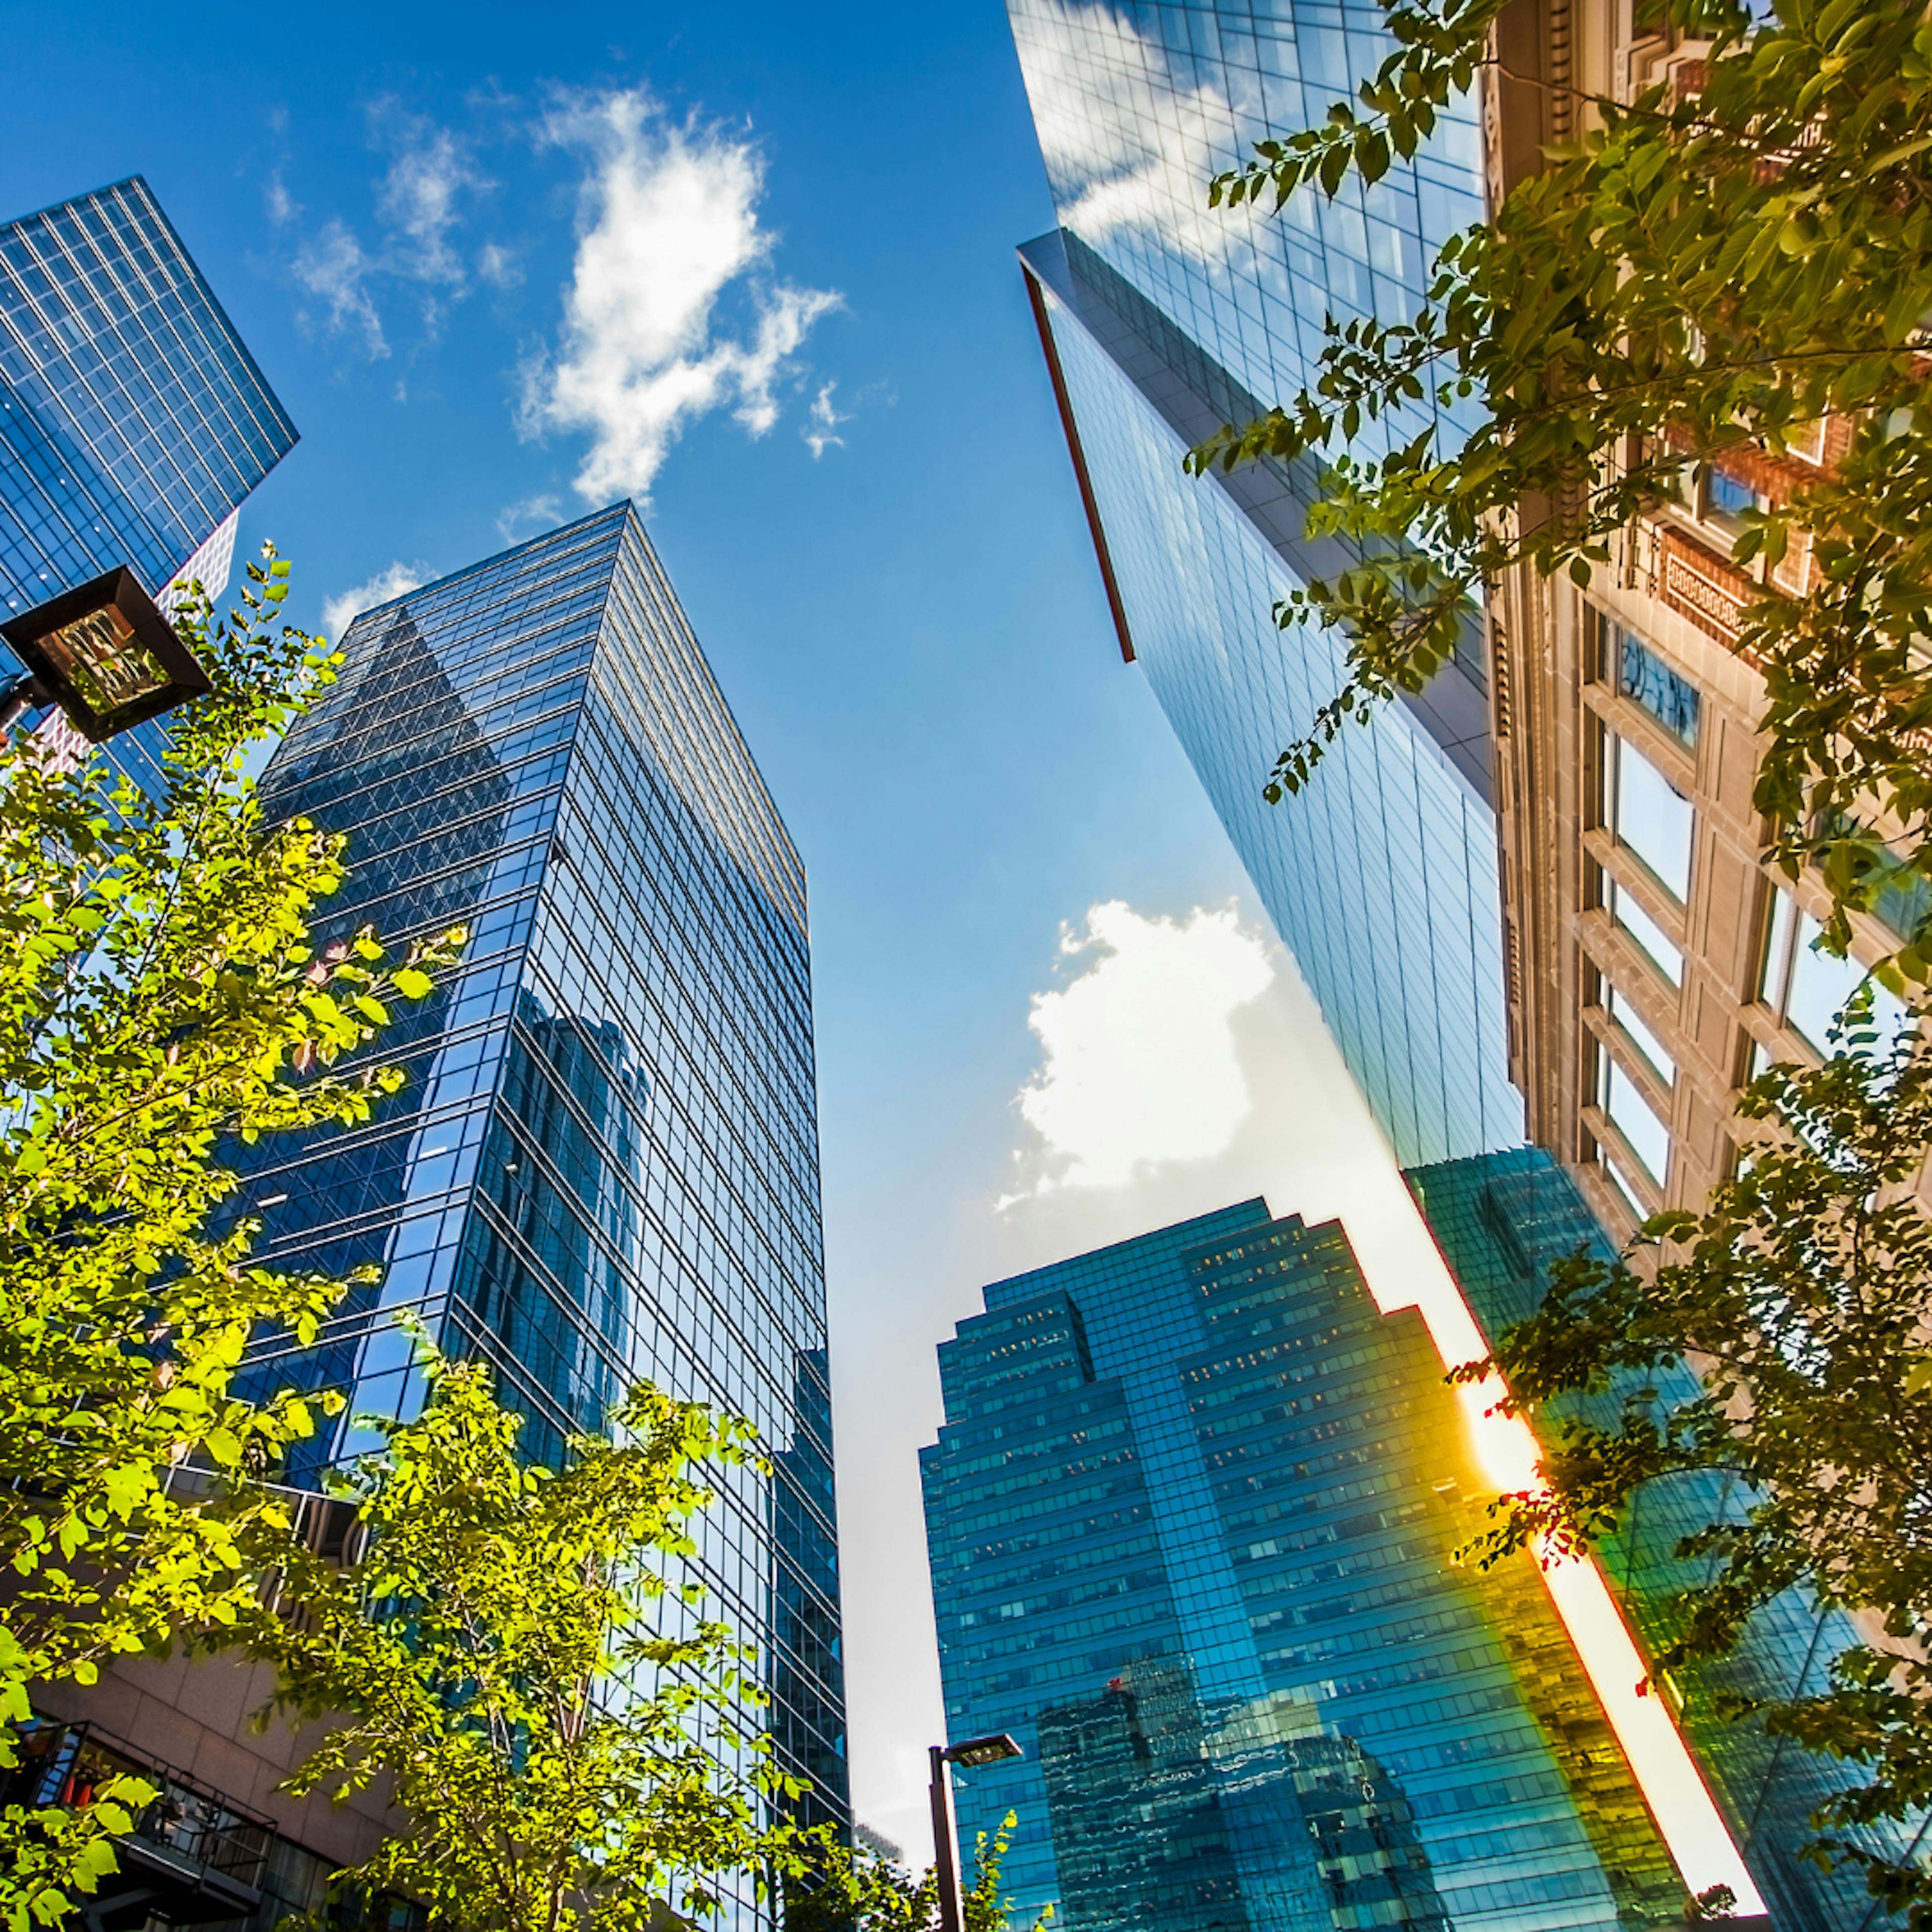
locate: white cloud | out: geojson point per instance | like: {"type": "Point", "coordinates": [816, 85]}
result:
{"type": "Point", "coordinates": [668, 222]}
{"type": "Point", "coordinates": [818, 433]}
{"type": "Point", "coordinates": [498, 266]}
{"type": "Point", "coordinates": [417, 207]}
{"type": "Point", "coordinates": [417, 201]}
{"type": "Point", "coordinates": [1133, 149]}
{"type": "Point", "coordinates": [541, 511]}
{"type": "Point", "coordinates": [1140, 1066]}
{"type": "Point", "coordinates": [333, 266]}
{"type": "Point", "coordinates": [340, 611]}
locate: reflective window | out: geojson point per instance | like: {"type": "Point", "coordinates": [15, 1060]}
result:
{"type": "Point", "coordinates": [1806, 987]}
{"type": "Point", "coordinates": [1639, 672]}
{"type": "Point", "coordinates": [1645, 1041]}
{"type": "Point", "coordinates": [1648, 814]}
{"type": "Point", "coordinates": [1633, 1116]}
{"type": "Point", "coordinates": [1663, 952]}
{"type": "Point", "coordinates": [1725, 500]}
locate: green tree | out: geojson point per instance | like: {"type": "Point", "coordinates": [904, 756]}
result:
{"type": "Point", "coordinates": [1690, 275]}
{"type": "Point", "coordinates": [1803, 1296]}
{"type": "Point", "coordinates": [859, 1891]}
{"type": "Point", "coordinates": [559, 1725]}
{"type": "Point", "coordinates": [158, 992]}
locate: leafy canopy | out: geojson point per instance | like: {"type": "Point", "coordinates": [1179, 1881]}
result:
{"type": "Point", "coordinates": [859, 1891]}
{"type": "Point", "coordinates": [559, 1724]}
{"type": "Point", "coordinates": [158, 992]}
{"type": "Point", "coordinates": [1802, 1295]}
{"type": "Point", "coordinates": [1690, 276]}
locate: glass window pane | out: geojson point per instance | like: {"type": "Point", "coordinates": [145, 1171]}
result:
{"type": "Point", "coordinates": [1642, 676]}
{"type": "Point", "coordinates": [1820, 985]}
{"type": "Point", "coordinates": [1776, 950]}
{"type": "Point", "coordinates": [1652, 819]}
{"type": "Point", "coordinates": [1646, 1042]}
{"type": "Point", "coordinates": [1630, 1114]}
{"type": "Point", "coordinates": [1663, 952]}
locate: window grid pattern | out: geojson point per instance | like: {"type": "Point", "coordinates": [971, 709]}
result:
{"type": "Point", "coordinates": [133, 420]}
{"type": "Point", "coordinates": [1381, 875]}
{"type": "Point", "coordinates": [1502, 1221]}
{"type": "Point", "coordinates": [1190, 1519]}
{"type": "Point", "coordinates": [1138, 103]}
{"type": "Point", "coordinates": [605, 1165]}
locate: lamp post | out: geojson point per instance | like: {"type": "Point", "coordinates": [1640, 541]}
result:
{"type": "Point", "coordinates": [104, 654]}
{"type": "Point", "coordinates": [974, 1752]}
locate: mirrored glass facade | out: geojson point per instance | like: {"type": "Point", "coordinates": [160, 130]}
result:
{"type": "Point", "coordinates": [1502, 1221]}
{"type": "Point", "coordinates": [1191, 1519]}
{"type": "Point", "coordinates": [133, 420]}
{"type": "Point", "coordinates": [604, 1166]}
{"type": "Point", "coordinates": [1162, 320]}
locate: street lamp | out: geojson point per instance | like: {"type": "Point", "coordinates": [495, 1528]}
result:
{"type": "Point", "coordinates": [104, 654]}
{"type": "Point", "coordinates": [974, 1753]}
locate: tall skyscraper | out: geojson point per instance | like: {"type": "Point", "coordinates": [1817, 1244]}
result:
{"type": "Point", "coordinates": [133, 422]}
{"type": "Point", "coordinates": [1502, 1221]}
{"type": "Point", "coordinates": [1192, 1519]}
{"type": "Point", "coordinates": [1162, 321]}
{"type": "Point", "coordinates": [605, 1166]}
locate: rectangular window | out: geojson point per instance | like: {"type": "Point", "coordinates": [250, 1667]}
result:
{"type": "Point", "coordinates": [1626, 1188]}
{"type": "Point", "coordinates": [1808, 987]}
{"type": "Point", "coordinates": [1662, 951]}
{"type": "Point", "coordinates": [1725, 501]}
{"type": "Point", "coordinates": [1646, 1042]}
{"type": "Point", "coordinates": [1630, 1113]}
{"type": "Point", "coordinates": [1649, 815]}
{"type": "Point", "coordinates": [1641, 675]}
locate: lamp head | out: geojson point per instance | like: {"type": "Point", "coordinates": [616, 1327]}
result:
{"type": "Point", "coordinates": [105, 654]}
{"type": "Point", "coordinates": [976, 1751]}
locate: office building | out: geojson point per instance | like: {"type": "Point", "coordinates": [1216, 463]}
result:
{"type": "Point", "coordinates": [1192, 1519]}
{"type": "Point", "coordinates": [605, 1165]}
{"type": "Point", "coordinates": [1501, 1220]}
{"type": "Point", "coordinates": [133, 422]}
{"type": "Point", "coordinates": [1161, 321]}
{"type": "Point", "coordinates": [1656, 963]}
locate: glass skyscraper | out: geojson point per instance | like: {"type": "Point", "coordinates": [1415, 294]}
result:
{"type": "Point", "coordinates": [133, 422]}
{"type": "Point", "coordinates": [604, 1166]}
{"type": "Point", "coordinates": [1501, 1220]}
{"type": "Point", "coordinates": [1193, 1518]}
{"type": "Point", "coordinates": [1163, 320]}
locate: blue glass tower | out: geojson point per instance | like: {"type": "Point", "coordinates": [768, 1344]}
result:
{"type": "Point", "coordinates": [1191, 1519]}
{"type": "Point", "coordinates": [1501, 1220]}
{"type": "Point", "coordinates": [605, 1165]}
{"type": "Point", "coordinates": [1162, 321]}
{"type": "Point", "coordinates": [133, 420]}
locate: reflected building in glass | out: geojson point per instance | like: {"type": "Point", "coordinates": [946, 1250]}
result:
{"type": "Point", "coordinates": [1502, 1221]}
{"type": "Point", "coordinates": [604, 1166]}
{"type": "Point", "coordinates": [1193, 1518]}
{"type": "Point", "coordinates": [1162, 320]}
{"type": "Point", "coordinates": [133, 422]}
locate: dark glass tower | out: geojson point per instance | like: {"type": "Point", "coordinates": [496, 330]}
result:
{"type": "Point", "coordinates": [133, 420]}
{"type": "Point", "coordinates": [605, 1165]}
{"type": "Point", "coordinates": [1502, 1221]}
{"type": "Point", "coordinates": [1193, 1518]}
{"type": "Point", "coordinates": [1162, 320]}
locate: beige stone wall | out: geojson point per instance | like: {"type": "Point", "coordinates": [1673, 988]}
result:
{"type": "Point", "coordinates": [1674, 588]}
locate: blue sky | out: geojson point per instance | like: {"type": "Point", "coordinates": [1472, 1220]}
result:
{"type": "Point", "coordinates": [422, 219]}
